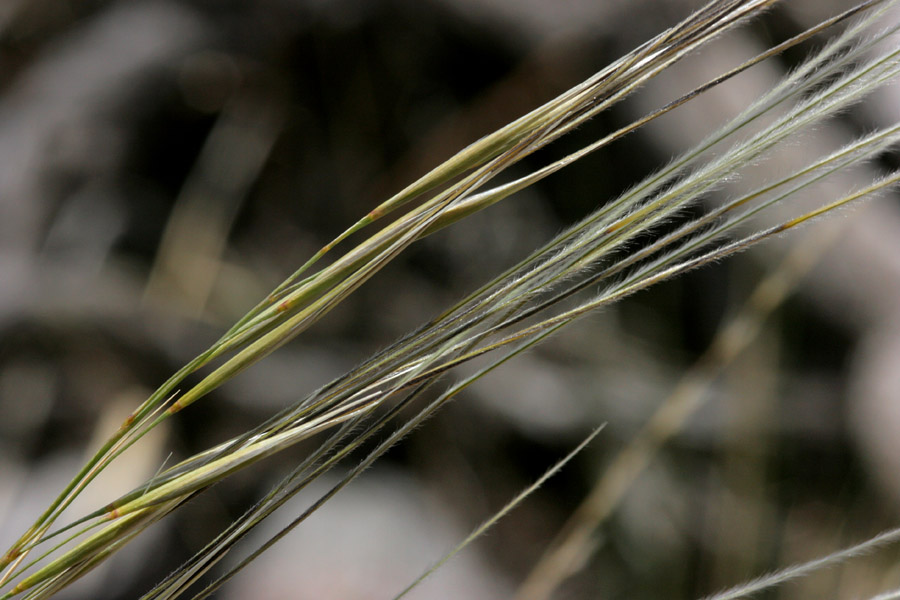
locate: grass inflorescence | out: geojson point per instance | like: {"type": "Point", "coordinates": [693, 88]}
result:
{"type": "Point", "coordinates": [643, 237]}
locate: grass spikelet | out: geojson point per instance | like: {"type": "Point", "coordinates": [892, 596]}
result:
{"type": "Point", "coordinates": [645, 236]}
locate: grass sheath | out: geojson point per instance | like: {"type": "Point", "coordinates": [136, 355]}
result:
{"type": "Point", "coordinates": [645, 236]}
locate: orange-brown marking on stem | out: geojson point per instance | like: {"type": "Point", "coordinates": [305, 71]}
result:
{"type": "Point", "coordinates": [127, 423]}
{"type": "Point", "coordinates": [286, 304]}
{"type": "Point", "coordinates": [12, 555]}
{"type": "Point", "coordinates": [618, 225]}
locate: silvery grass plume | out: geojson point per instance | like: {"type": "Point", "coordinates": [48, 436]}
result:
{"type": "Point", "coordinates": [643, 237]}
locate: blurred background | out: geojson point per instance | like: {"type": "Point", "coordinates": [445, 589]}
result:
{"type": "Point", "coordinates": [165, 163]}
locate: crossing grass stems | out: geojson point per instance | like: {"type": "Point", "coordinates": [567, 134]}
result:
{"type": "Point", "coordinates": [617, 250]}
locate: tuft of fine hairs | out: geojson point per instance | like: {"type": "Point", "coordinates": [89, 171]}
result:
{"type": "Point", "coordinates": [670, 222]}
